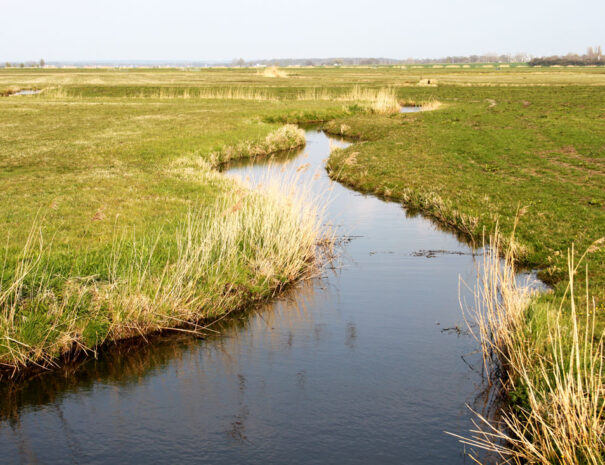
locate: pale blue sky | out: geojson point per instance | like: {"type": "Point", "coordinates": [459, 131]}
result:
{"type": "Point", "coordinates": [227, 29]}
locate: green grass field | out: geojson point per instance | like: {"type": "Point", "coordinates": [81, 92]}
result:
{"type": "Point", "coordinates": [103, 151]}
{"type": "Point", "coordinates": [115, 222]}
{"type": "Point", "coordinates": [98, 193]}
{"type": "Point", "coordinates": [484, 154]}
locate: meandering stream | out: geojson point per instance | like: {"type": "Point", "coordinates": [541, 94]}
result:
{"type": "Point", "coordinates": [363, 365]}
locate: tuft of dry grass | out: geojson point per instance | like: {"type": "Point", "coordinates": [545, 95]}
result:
{"type": "Point", "coordinates": [5, 92]}
{"type": "Point", "coordinates": [58, 92]}
{"type": "Point", "coordinates": [430, 105]}
{"type": "Point", "coordinates": [287, 137]}
{"type": "Point", "coordinates": [383, 100]}
{"type": "Point", "coordinates": [274, 72]}
{"type": "Point", "coordinates": [548, 358]}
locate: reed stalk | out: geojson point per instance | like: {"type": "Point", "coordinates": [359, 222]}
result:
{"type": "Point", "coordinates": [548, 361]}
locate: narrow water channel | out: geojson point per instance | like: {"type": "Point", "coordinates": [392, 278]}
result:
{"type": "Point", "coordinates": [362, 365]}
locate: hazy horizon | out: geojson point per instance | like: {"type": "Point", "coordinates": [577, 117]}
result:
{"type": "Point", "coordinates": [184, 30]}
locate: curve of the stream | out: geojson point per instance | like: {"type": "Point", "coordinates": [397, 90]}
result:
{"type": "Point", "coordinates": [362, 365]}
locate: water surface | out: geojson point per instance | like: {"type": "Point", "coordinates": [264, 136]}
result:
{"type": "Point", "coordinates": [410, 109]}
{"type": "Point", "coordinates": [363, 365]}
{"type": "Point", "coordinates": [27, 92]}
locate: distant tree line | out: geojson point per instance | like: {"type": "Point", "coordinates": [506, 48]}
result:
{"type": "Point", "coordinates": [25, 64]}
{"type": "Point", "coordinates": [342, 61]}
{"type": "Point", "coordinates": [593, 56]}
{"type": "Point", "coordinates": [315, 62]}
{"type": "Point", "coordinates": [484, 58]}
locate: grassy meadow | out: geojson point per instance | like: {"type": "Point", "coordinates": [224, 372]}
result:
{"type": "Point", "coordinates": [486, 153]}
{"type": "Point", "coordinates": [115, 221]}
{"type": "Point", "coordinates": [110, 203]}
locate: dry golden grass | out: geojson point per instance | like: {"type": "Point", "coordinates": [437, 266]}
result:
{"type": "Point", "coordinates": [382, 100]}
{"type": "Point", "coordinates": [170, 93]}
{"type": "Point", "coordinates": [287, 137]}
{"type": "Point", "coordinates": [385, 102]}
{"type": "Point", "coordinates": [560, 420]}
{"type": "Point", "coordinates": [430, 105]}
{"type": "Point", "coordinates": [428, 82]}
{"type": "Point", "coordinates": [5, 92]}
{"type": "Point", "coordinates": [378, 100]}
{"type": "Point", "coordinates": [425, 105]}
{"type": "Point", "coordinates": [58, 92]}
{"type": "Point", "coordinates": [274, 72]}
{"type": "Point", "coordinates": [228, 93]}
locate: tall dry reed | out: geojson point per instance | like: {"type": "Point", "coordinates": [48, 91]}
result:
{"type": "Point", "coordinates": [287, 137]}
{"type": "Point", "coordinates": [273, 72]}
{"type": "Point", "coordinates": [549, 361]}
{"type": "Point", "coordinates": [383, 100]}
{"type": "Point", "coordinates": [226, 93]}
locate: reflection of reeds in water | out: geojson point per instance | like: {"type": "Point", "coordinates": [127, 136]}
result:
{"type": "Point", "coordinates": [270, 327]}
{"type": "Point", "coordinates": [121, 364]}
{"type": "Point", "coordinates": [130, 361]}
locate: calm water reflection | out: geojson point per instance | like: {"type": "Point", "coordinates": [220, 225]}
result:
{"type": "Point", "coordinates": [352, 367]}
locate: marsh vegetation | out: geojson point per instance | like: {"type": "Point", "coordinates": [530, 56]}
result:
{"type": "Point", "coordinates": [114, 216]}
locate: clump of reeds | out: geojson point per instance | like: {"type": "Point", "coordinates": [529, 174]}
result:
{"type": "Point", "coordinates": [383, 100]}
{"type": "Point", "coordinates": [430, 105]}
{"type": "Point", "coordinates": [186, 93]}
{"type": "Point", "coordinates": [545, 356]}
{"type": "Point", "coordinates": [9, 91]}
{"type": "Point", "coordinates": [424, 105]}
{"type": "Point", "coordinates": [274, 72]}
{"type": "Point", "coordinates": [58, 92]}
{"type": "Point", "coordinates": [252, 243]}
{"type": "Point", "coordinates": [287, 137]}
{"type": "Point", "coordinates": [226, 93]}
